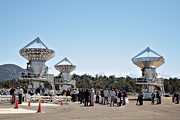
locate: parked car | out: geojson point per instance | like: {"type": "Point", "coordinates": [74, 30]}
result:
{"type": "Point", "coordinates": [167, 95]}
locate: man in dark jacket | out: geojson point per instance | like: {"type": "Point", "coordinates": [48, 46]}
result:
{"type": "Point", "coordinates": [177, 98]}
{"type": "Point", "coordinates": [140, 97]}
{"type": "Point", "coordinates": [158, 98]}
{"type": "Point", "coordinates": [13, 95]}
{"type": "Point", "coordinates": [152, 97]}
{"type": "Point", "coordinates": [86, 96]}
{"type": "Point", "coordinates": [119, 97]}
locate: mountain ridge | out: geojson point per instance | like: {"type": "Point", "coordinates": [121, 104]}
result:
{"type": "Point", "coordinates": [10, 72]}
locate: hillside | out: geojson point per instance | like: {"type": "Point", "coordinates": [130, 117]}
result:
{"type": "Point", "coordinates": [10, 71]}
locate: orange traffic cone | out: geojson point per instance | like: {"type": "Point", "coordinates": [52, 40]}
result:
{"type": "Point", "coordinates": [16, 104]}
{"type": "Point", "coordinates": [39, 108]}
{"type": "Point", "coordinates": [29, 103]}
{"type": "Point", "coordinates": [61, 103]}
{"type": "Point", "coordinates": [42, 100]}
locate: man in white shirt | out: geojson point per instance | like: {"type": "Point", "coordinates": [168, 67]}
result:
{"type": "Point", "coordinates": [20, 93]}
{"type": "Point", "coordinates": [112, 95]}
{"type": "Point", "coordinates": [106, 94]}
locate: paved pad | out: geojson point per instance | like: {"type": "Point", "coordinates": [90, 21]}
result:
{"type": "Point", "coordinates": [15, 111]}
{"type": "Point", "coordinates": [37, 104]}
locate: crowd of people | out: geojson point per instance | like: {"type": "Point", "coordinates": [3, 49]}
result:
{"type": "Point", "coordinates": [88, 97]}
{"type": "Point", "coordinates": [154, 97]}
{"type": "Point", "coordinates": [102, 96]}
{"type": "Point", "coordinates": [157, 97]}
{"type": "Point", "coordinates": [19, 92]}
{"type": "Point", "coordinates": [23, 94]}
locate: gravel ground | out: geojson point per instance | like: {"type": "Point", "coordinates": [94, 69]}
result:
{"type": "Point", "coordinates": [75, 111]}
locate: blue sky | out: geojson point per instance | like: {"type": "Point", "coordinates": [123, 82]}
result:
{"type": "Point", "coordinates": [99, 36]}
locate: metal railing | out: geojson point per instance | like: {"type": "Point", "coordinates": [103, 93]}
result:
{"type": "Point", "coordinates": [143, 80]}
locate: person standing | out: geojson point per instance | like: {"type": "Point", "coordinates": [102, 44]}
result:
{"type": "Point", "coordinates": [73, 94]}
{"type": "Point", "coordinates": [102, 96]}
{"type": "Point", "coordinates": [92, 97]}
{"type": "Point", "coordinates": [97, 95]}
{"type": "Point", "coordinates": [119, 97]}
{"type": "Point", "coordinates": [173, 97]}
{"type": "Point", "coordinates": [80, 94]}
{"type": "Point", "coordinates": [124, 97]}
{"type": "Point", "coordinates": [177, 98]}
{"type": "Point", "coordinates": [112, 96]}
{"type": "Point", "coordinates": [152, 97]}
{"type": "Point", "coordinates": [25, 94]}
{"type": "Point", "coordinates": [106, 94]}
{"type": "Point", "coordinates": [158, 98]}
{"type": "Point", "coordinates": [20, 93]}
{"type": "Point", "coordinates": [13, 96]}
{"type": "Point", "coordinates": [137, 101]}
{"type": "Point", "coordinates": [86, 96]}
{"type": "Point", "coordinates": [140, 98]}
{"type": "Point", "coordinates": [160, 95]}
